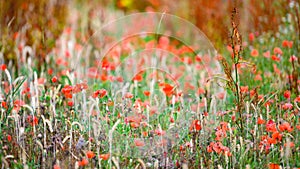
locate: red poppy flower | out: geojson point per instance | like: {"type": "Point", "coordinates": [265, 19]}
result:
{"type": "Point", "coordinates": [9, 138]}
{"type": "Point", "coordinates": [260, 121]}
{"type": "Point", "coordinates": [159, 132]}
{"type": "Point", "coordinates": [251, 37]}
{"type": "Point", "coordinates": [3, 67]}
{"type": "Point", "coordinates": [134, 124]}
{"type": "Point", "coordinates": [244, 89]}
{"type": "Point", "coordinates": [297, 99]}
{"type": "Point", "coordinates": [4, 104]}
{"type": "Point", "coordinates": [139, 143]}
{"type": "Point", "coordinates": [83, 162]}
{"type": "Point", "coordinates": [32, 120]}
{"type": "Point", "coordinates": [90, 154]}
{"type": "Point", "coordinates": [277, 50]}
{"type": "Point", "coordinates": [56, 166]}
{"type": "Point", "coordinates": [276, 135]}
{"type": "Point", "coordinates": [274, 166]}
{"type": "Point", "coordinates": [67, 91]}
{"type": "Point", "coordinates": [271, 126]}
{"type": "Point", "coordinates": [209, 149]}
{"type": "Point", "coordinates": [200, 91]}
{"type": "Point", "coordinates": [79, 87]}
{"type": "Point", "coordinates": [168, 89]}
{"type": "Point", "coordinates": [104, 156]}
{"type": "Point", "coordinates": [100, 93]}
{"type": "Point", "coordinates": [54, 79]}
{"type": "Point", "coordinates": [254, 53]}
{"type": "Point", "coordinates": [285, 127]}
{"type": "Point", "coordinates": [290, 144]}
{"type": "Point", "coordinates": [128, 96]}
{"type": "Point", "coordinates": [287, 43]}
{"type": "Point", "coordinates": [287, 106]}
{"type": "Point", "coordinates": [138, 78]}
{"type": "Point", "coordinates": [50, 71]}
{"type": "Point", "coordinates": [147, 93]}
{"type": "Point", "coordinates": [287, 94]}
{"type": "Point", "coordinates": [196, 125]}
{"type": "Point", "coordinates": [275, 58]}
{"type": "Point", "coordinates": [267, 54]}
{"type": "Point", "coordinates": [70, 103]}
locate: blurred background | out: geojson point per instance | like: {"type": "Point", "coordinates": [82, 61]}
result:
{"type": "Point", "coordinates": [40, 22]}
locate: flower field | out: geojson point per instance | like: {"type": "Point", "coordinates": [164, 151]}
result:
{"type": "Point", "coordinates": [103, 88]}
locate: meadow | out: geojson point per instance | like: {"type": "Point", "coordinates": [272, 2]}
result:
{"type": "Point", "coordinates": [105, 89]}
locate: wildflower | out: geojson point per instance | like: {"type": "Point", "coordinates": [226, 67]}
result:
{"type": "Point", "coordinates": [297, 99]}
{"type": "Point", "coordinates": [274, 166]}
{"type": "Point", "coordinates": [275, 58]}
{"type": "Point", "coordinates": [128, 96]}
{"type": "Point", "coordinates": [67, 54]}
{"type": "Point", "coordinates": [18, 104]}
{"type": "Point", "coordinates": [104, 156]}
{"type": "Point", "coordinates": [41, 81]}
{"type": "Point", "coordinates": [287, 94]}
{"type": "Point", "coordinates": [285, 127]}
{"type": "Point", "coordinates": [258, 77]}
{"type": "Point", "coordinates": [276, 135]}
{"type": "Point", "coordinates": [168, 89]}
{"type": "Point", "coordinates": [209, 149]}
{"type": "Point", "coordinates": [83, 162]}
{"type": "Point", "coordinates": [271, 126]}
{"type": "Point", "coordinates": [79, 87]}
{"type": "Point", "coordinates": [93, 73]}
{"type": "Point", "coordinates": [172, 120]}
{"type": "Point", "coordinates": [198, 58]}
{"type": "Point", "coordinates": [293, 58]}
{"type": "Point", "coordinates": [147, 93]}
{"type": "Point", "coordinates": [50, 71]}
{"type": "Point", "coordinates": [196, 125]}
{"type": "Point", "coordinates": [139, 143]}
{"type": "Point", "coordinates": [99, 93]}
{"type": "Point", "coordinates": [138, 78]}
{"type": "Point", "coordinates": [159, 132]}
{"type": "Point", "coordinates": [277, 50]}
{"type": "Point", "coordinates": [56, 166]}
{"type": "Point", "coordinates": [276, 70]}
{"type": "Point", "coordinates": [134, 124]}
{"type": "Point", "coordinates": [145, 133]}
{"type": "Point", "coordinates": [290, 144]}
{"type": "Point", "coordinates": [272, 141]}
{"type": "Point", "coordinates": [32, 120]}
{"type": "Point", "coordinates": [9, 138]}
{"type": "Point", "coordinates": [254, 53]}
{"type": "Point", "coordinates": [221, 95]}
{"type": "Point", "coordinates": [4, 104]}
{"type": "Point", "coordinates": [67, 91]}
{"type": "Point", "coordinates": [267, 54]}
{"type": "Point", "coordinates": [163, 42]}
{"type": "Point", "coordinates": [220, 134]}
{"type": "Point", "coordinates": [200, 91]}
{"type": "Point", "coordinates": [244, 89]}
{"type": "Point", "coordinates": [260, 121]}
{"type": "Point", "coordinates": [54, 79]}
{"type": "Point", "coordinates": [287, 106]}
{"type": "Point", "coordinates": [70, 103]}
{"type": "Point", "coordinates": [287, 43]}
{"type": "Point", "coordinates": [90, 154]}
{"type": "Point", "coordinates": [3, 67]}
{"type": "Point", "coordinates": [251, 37]}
